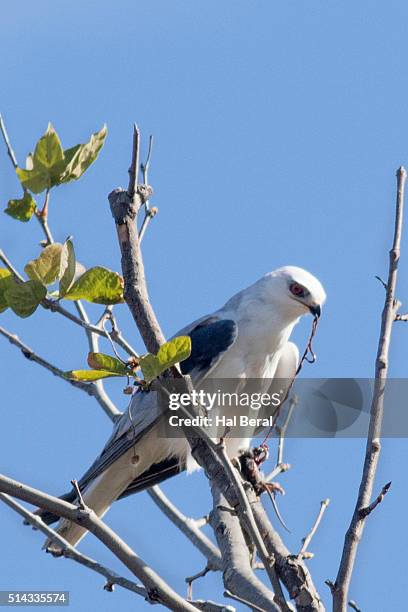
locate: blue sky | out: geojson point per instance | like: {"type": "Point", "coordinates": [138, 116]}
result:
{"type": "Point", "coordinates": [278, 130]}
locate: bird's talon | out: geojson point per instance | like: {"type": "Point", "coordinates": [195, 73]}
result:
{"type": "Point", "coordinates": [274, 487]}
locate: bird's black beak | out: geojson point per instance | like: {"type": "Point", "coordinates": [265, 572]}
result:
{"type": "Point", "coordinates": [316, 311]}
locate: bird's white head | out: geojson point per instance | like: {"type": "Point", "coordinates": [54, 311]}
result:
{"type": "Point", "coordinates": [296, 290]}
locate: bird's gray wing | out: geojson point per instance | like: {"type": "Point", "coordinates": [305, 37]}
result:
{"type": "Point", "coordinates": [143, 413]}
{"type": "Point", "coordinates": [210, 340]}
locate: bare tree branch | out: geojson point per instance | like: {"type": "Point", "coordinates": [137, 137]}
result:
{"type": "Point", "coordinates": [355, 530]}
{"type": "Point", "coordinates": [70, 552]}
{"type": "Point", "coordinates": [157, 588]}
{"type": "Point", "coordinates": [238, 575]}
{"type": "Point", "coordinates": [124, 211]}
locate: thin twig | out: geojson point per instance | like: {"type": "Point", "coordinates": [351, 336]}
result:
{"type": "Point", "coordinates": [72, 553]}
{"type": "Point", "coordinates": [355, 530]}
{"type": "Point", "coordinates": [354, 606]}
{"type": "Point", "coordinates": [401, 317]}
{"type": "Point", "coordinates": [384, 284]}
{"type": "Point", "coordinates": [54, 306]}
{"type": "Point", "coordinates": [17, 276]}
{"type": "Point", "coordinates": [81, 503]}
{"type": "Point", "coordinates": [364, 512]}
{"type": "Point", "coordinates": [249, 604]}
{"type": "Point", "coordinates": [117, 337]}
{"type": "Point", "coordinates": [306, 540]}
{"type": "Point", "coordinates": [110, 409]}
{"type": "Point", "coordinates": [280, 465]}
{"type": "Point", "coordinates": [149, 212]}
{"type": "Point", "coordinates": [6, 139]}
{"type": "Point", "coordinates": [211, 606]}
{"type": "Point", "coordinates": [190, 579]}
{"type": "Point", "coordinates": [134, 164]}
{"type": "Point", "coordinates": [42, 216]}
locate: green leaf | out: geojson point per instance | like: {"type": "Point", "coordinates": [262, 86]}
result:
{"type": "Point", "coordinates": [150, 367]}
{"type": "Point", "coordinates": [51, 165]}
{"type": "Point", "coordinates": [169, 354]}
{"type": "Point", "coordinates": [36, 180]}
{"type": "Point", "coordinates": [48, 152]}
{"type": "Point", "coordinates": [98, 285]}
{"type": "Point", "coordinates": [174, 351]}
{"type": "Point", "coordinates": [22, 209]}
{"type": "Point", "coordinates": [67, 278]}
{"type": "Point", "coordinates": [100, 361]}
{"type": "Point", "coordinates": [88, 375]}
{"type": "Point", "coordinates": [24, 298]}
{"type": "Point", "coordinates": [6, 282]}
{"type": "Point", "coordinates": [49, 266]}
{"type": "Point", "coordinates": [79, 158]}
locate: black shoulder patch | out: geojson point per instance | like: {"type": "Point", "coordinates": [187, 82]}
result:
{"type": "Point", "coordinates": [209, 340]}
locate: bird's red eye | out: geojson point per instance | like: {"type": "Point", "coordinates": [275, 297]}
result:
{"type": "Point", "coordinates": [297, 290]}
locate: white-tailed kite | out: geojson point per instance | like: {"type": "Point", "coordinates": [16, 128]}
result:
{"type": "Point", "coordinates": [248, 338]}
